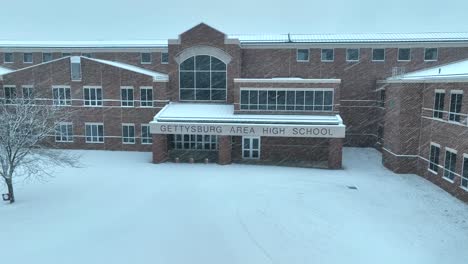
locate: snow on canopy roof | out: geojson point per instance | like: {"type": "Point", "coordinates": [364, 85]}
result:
{"type": "Point", "coordinates": [224, 113]}
{"type": "Point", "coordinates": [455, 70]}
{"type": "Point", "coordinates": [157, 76]}
{"type": "Point", "coordinates": [4, 70]}
{"type": "Point", "coordinates": [84, 44]}
{"type": "Point", "coordinates": [354, 37]}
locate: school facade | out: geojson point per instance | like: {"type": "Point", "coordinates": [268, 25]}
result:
{"type": "Point", "coordinates": [266, 99]}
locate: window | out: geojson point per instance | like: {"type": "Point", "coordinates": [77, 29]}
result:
{"type": "Point", "coordinates": [464, 180]}
{"type": "Point", "coordinates": [250, 147]}
{"type": "Point", "coordinates": [302, 55]}
{"type": "Point", "coordinates": [94, 132]}
{"type": "Point", "coordinates": [378, 54]}
{"type": "Point", "coordinates": [10, 94]}
{"type": "Point", "coordinates": [450, 164]}
{"type": "Point", "coordinates": [92, 96]}
{"type": "Point", "coordinates": [146, 96]}
{"type": "Point", "coordinates": [287, 100]}
{"type": "Point", "coordinates": [126, 96]}
{"type": "Point", "coordinates": [145, 134]}
{"type": "Point", "coordinates": [404, 54]}
{"type": "Point", "coordinates": [87, 55]}
{"type": "Point", "coordinates": [328, 54]}
{"type": "Point", "coordinates": [46, 57]}
{"type": "Point", "coordinates": [352, 54]}
{"type": "Point", "coordinates": [64, 132]}
{"type": "Point", "coordinates": [164, 58]}
{"type": "Point", "coordinates": [66, 54]}
{"type": "Point", "coordinates": [456, 97]}
{"type": "Point", "coordinates": [439, 104]}
{"type": "Point", "coordinates": [430, 54]}
{"type": "Point", "coordinates": [434, 158]}
{"type": "Point", "coordinates": [145, 58]}
{"type": "Point", "coordinates": [202, 78]}
{"type": "Point", "coordinates": [27, 57]}
{"type": "Point", "coordinates": [28, 94]}
{"type": "Point", "coordinates": [128, 133]}
{"type": "Point", "coordinates": [75, 68]}
{"type": "Point", "coordinates": [8, 57]}
{"type": "Point", "coordinates": [382, 98]}
{"type": "Point", "coordinates": [61, 95]}
{"type": "Point", "coordinates": [198, 142]}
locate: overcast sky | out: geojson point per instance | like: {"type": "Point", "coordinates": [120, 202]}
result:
{"type": "Point", "coordinates": [162, 19]}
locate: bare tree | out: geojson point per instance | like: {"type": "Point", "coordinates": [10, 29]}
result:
{"type": "Point", "coordinates": [26, 140]}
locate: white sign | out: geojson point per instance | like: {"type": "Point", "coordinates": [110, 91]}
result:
{"type": "Point", "coordinates": [317, 131]}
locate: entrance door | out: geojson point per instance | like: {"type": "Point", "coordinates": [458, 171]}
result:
{"type": "Point", "coordinates": [251, 147]}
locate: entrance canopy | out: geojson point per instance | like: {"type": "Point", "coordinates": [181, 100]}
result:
{"type": "Point", "coordinates": [219, 119]}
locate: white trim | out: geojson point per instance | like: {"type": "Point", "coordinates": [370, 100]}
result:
{"type": "Point", "coordinates": [12, 56]}
{"type": "Point", "coordinates": [203, 50]}
{"type": "Point", "coordinates": [359, 54]}
{"type": "Point", "coordinates": [149, 133]}
{"type": "Point", "coordinates": [146, 101]}
{"type": "Point", "coordinates": [128, 138]}
{"type": "Point", "coordinates": [384, 56]}
{"type": "Point", "coordinates": [286, 89]}
{"type": "Point", "coordinates": [251, 149]}
{"type": "Point", "coordinates": [435, 144]}
{"type": "Point", "coordinates": [103, 133]}
{"type": "Point", "coordinates": [162, 57]}
{"type": "Point", "coordinates": [398, 55]}
{"type": "Point", "coordinates": [431, 171]}
{"type": "Point", "coordinates": [32, 58]}
{"type": "Point", "coordinates": [439, 91]}
{"type": "Point", "coordinates": [400, 155]}
{"type": "Point", "coordinates": [297, 55]}
{"type": "Point", "coordinates": [321, 55]}
{"type": "Point", "coordinates": [456, 91]}
{"type": "Point", "coordinates": [95, 89]}
{"type": "Point", "coordinates": [451, 150]}
{"type": "Point", "coordinates": [146, 62]}
{"type": "Point", "coordinates": [65, 124]}
{"type": "Point", "coordinates": [424, 54]}
{"type": "Point", "coordinates": [285, 80]}
{"type": "Point", "coordinates": [128, 101]}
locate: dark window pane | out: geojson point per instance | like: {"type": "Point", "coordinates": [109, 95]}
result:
{"type": "Point", "coordinates": [378, 54]}
{"type": "Point", "coordinates": [202, 79]}
{"type": "Point", "coordinates": [318, 101]}
{"type": "Point", "coordinates": [202, 94]}
{"type": "Point", "coordinates": [244, 98]}
{"type": "Point", "coordinates": [404, 54]}
{"type": "Point", "coordinates": [217, 65]}
{"type": "Point", "coordinates": [202, 63]}
{"type": "Point", "coordinates": [262, 100]}
{"type": "Point", "coordinates": [218, 80]}
{"type": "Point", "coordinates": [327, 54]}
{"type": "Point", "coordinates": [281, 100]}
{"type": "Point", "coordinates": [430, 54]}
{"type": "Point", "coordinates": [302, 54]}
{"type": "Point", "coordinates": [187, 94]}
{"type": "Point", "coordinates": [300, 100]}
{"type": "Point", "coordinates": [188, 64]}
{"type": "Point", "coordinates": [290, 100]}
{"type": "Point", "coordinates": [271, 100]}
{"type": "Point", "coordinates": [187, 80]}
{"type": "Point", "coordinates": [352, 54]}
{"type": "Point", "coordinates": [218, 95]}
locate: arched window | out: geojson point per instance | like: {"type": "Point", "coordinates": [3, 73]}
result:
{"type": "Point", "coordinates": [202, 78]}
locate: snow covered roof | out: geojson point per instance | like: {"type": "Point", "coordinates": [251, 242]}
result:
{"type": "Point", "coordinates": [285, 80]}
{"type": "Point", "coordinates": [4, 70]}
{"type": "Point", "coordinates": [224, 113]}
{"type": "Point", "coordinates": [157, 76]}
{"type": "Point", "coordinates": [452, 71]}
{"type": "Point", "coordinates": [354, 37]}
{"type": "Point", "coordinates": [252, 39]}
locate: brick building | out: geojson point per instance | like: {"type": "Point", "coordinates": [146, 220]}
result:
{"type": "Point", "coordinates": [270, 99]}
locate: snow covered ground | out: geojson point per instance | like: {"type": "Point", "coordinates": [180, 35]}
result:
{"type": "Point", "coordinates": [120, 208]}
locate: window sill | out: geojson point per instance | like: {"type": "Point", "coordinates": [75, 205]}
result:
{"type": "Point", "coordinates": [128, 143]}
{"type": "Point", "coordinates": [433, 172]}
{"type": "Point", "coordinates": [146, 63]}
{"type": "Point", "coordinates": [352, 60]}
{"type": "Point", "coordinates": [447, 179]}
{"type": "Point", "coordinates": [302, 60]}
{"type": "Point", "coordinates": [378, 60]}
{"type": "Point", "coordinates": [89, 142]}
{"type": "Point", "coordinates": [464, 188]}
{"type": "Point", "coordinates": [429, 60]}
{"type": "Point", "coordinates": [403, 60]}
{"type": "Point", "coordinates": [164, 62]}
{"type": "Point", "coordinates": [146, 143]}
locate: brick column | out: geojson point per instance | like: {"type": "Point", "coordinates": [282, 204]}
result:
{"type": "Point", "coordinates": [159, 148]}
{"type": "Point", "coordinates": [224, 150]}
{"type": "Point", "coordinates": [335, 153]}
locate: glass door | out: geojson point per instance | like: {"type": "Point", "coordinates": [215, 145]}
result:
{"type": "Point", "coordinates": [251, 147]}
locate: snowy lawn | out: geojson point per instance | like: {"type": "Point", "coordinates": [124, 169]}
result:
{"type": "Point", "coordinates": [120, 208]}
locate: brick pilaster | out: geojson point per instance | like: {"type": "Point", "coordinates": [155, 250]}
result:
{"type": "Point", "coordinates": [159, 148]}
{"type": "Point", "coordinates": [335, 153]}
{"type": "Point", "coordinates": [224, 150]}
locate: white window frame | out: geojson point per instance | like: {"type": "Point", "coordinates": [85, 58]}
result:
{"type": "Point", "coordinates": [12, 57]}
{"type": "Point", "coordinates": [453, 151]}
{"type": "Point", "coordinates": [75, 60]}
{"type": "Point", "coordinates": [146, 140]}
{"type": "Point", "coordinates": [359, 55]}
{"type": "Point", "coordinates": [32, 57]}
{"type": "Point", "coordinates": [146, 62]}
{"type": "Point", "coordinates": [297, 55]}
{"type": "Point", "coordinates": [27, 87]}
{"type": "Point", "coordinates": [67, 138]}
{"type": "Point", "coordinates": [438, 161]}
{"type": "Point", "coordinates": [128, 140]}
{"type": "Point", "coordinates": [321, 55]}
{"type": "Point", "coordinates": [193, 142]}
{"type": "Point", "coordinates": [149, 103]}
{"type": "Point", "coordinates": [88, 102]}
{"type": "Point", "coordinates": [251, 149]}
{"type": "Point", "coordinates": [398, 54]}
{"type": "Point", "coordinates": [437, 57]}
{"type": "Point", "coordinates": [68, 101]}
{"type": "Point", "coordinates": [450, 104]}
{"type": "Point", "coordinates": [94, 136]}
{"type": "Point", "coordinates": [465, 157]}
{"type": "Point", "coordinates": [438, 91]}
{"type": "Point", "coordinates": [9, 100]}
{"type": "Point", "coordinates": [286, 99]}
{"type": "Point", "coordinates": [51, 56]}
{"type": "Point", "coordinates": [384, 55]}
{"type": "Point", "coordinates": [127, 101]}
{"type": "Point", "coordinates": [165, 62]}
